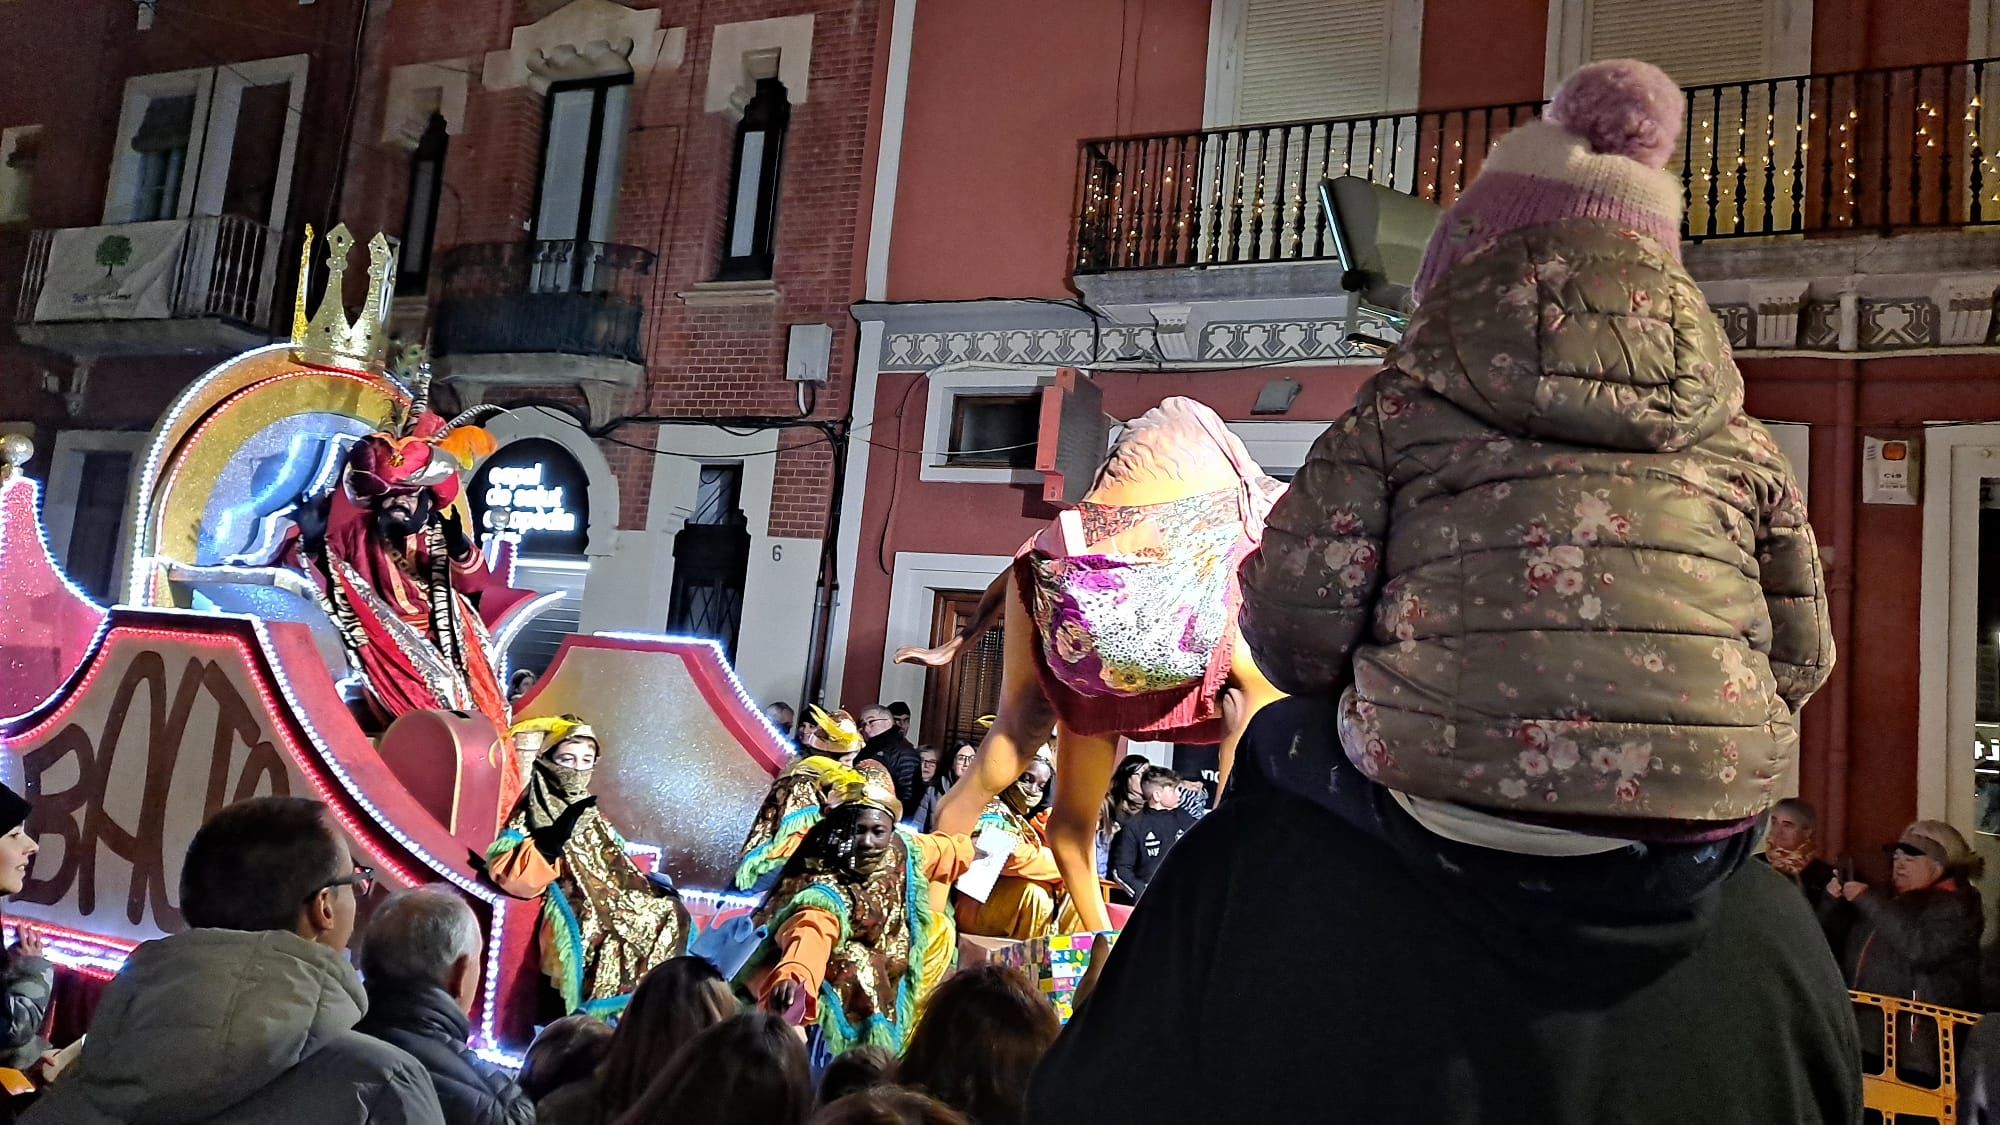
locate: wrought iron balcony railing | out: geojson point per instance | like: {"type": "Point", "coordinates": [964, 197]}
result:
{"type": "Point", "coordinates": [216, 267]}
{"type": "Point", "coordinates": [1872, 150]}
{"type": "Point", "coordinates": [563, 296]}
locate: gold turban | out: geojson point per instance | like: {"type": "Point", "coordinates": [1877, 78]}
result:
{"type": "Point", "coordinates": [549, 732]}
{"type": "Point", "coordinates": [839, 728]}
{"type": "Point", "coordinates": [873, 789]}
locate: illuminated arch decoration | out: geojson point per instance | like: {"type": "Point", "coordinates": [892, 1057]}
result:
{"type": "Point", "coordinates": [227, 447]}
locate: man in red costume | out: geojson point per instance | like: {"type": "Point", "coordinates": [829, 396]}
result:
{"type": "Point", "coordinates": [400, 572]}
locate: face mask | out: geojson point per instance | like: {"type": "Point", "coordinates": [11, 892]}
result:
{"type": "Point", "coordinates": [572, 784]}
{"type": "Point", "coordinates": [1017, 799]}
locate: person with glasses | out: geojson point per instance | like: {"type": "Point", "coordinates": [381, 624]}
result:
{"type": "Point", "coordinates": [248, 1015]}
{"type": "Point", "coordinates": [1918, 939]}
{"type": "Point", "coordinates": [948, 773]}
{"type": "Point", "coordinates": [888, 744]}
{"type": "Point", "coordinates": [605, 922]}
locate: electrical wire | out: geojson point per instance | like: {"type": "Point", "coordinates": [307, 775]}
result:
{"type": "Point", "coordinates": [895, 479]}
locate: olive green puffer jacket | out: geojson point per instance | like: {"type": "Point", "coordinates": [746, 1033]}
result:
{"type": "Point", "coordinates": [1548, 559]}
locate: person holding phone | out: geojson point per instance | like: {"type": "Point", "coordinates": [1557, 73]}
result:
{"type": "Point", "coordinates": [1919, 939]}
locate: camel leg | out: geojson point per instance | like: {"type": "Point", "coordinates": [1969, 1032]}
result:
{"type": "Point", "coordinates": [982, 620]}
{"type": "Point", "coordinates": [1022, 725]}
{"type": "Point", "coordinates": [1084, 764]}
{"type": "Point", "coordinates": [1248, 693]}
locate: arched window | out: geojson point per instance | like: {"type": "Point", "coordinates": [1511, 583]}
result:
{"type": "Point", "coordinates": [753, 184]}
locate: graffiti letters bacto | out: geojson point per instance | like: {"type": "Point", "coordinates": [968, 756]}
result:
{"type": "Point", "coordinates": [164, 707]}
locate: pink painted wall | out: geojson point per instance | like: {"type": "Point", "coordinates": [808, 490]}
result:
{"type": "Point", "coordinates": [987, 519]}
{"type": "Point", "coordinates": [1483, 52]}
{"type": "Point", "coordinates": [1000, 95]}
{"type": "Point", "coordinates": [1858, 34]}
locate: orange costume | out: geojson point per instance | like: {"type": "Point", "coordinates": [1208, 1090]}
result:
{"type": "Point", "coordinates": [865, 946]}
{"type": "Point", "coordinates": [1028, 900]}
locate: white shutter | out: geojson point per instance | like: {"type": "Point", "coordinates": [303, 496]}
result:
{"type": "Point", "coordinates": [1312, 58]}
{"type": "Point", "coordinates": [1732, 133]}
{"type": "Point", "coordinates": [1696, 41]}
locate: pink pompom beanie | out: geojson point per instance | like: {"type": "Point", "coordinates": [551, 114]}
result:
{"type": "Point", "coordinates": [1599, 152]}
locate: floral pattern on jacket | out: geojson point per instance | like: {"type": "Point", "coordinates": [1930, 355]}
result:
{"type": "Point", "coordinates": [1548, 560]}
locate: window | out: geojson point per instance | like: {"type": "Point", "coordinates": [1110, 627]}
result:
{"type": "Point", "coordinates": [1696, 41]}
{"type": "Point", "coordinates": [18, 147]}
{"type": "Point", "coordinates": [413, 266]}
{"type": "Point", "coordinates": [994, 431]}
{"type": "Point", "coordinates": [583, 152]}
{"type": "Point", "coordinates": [1744, 138]}
{"type": "Point", "coordinates": [711, 560]}
{"type": "Point", "coordinates": [753, 184]}
{"type": "Point", "coordinates": [92, 558]}
{"type": "Point", "coordinates": [717, 493]}
{"type": "Point", "coordinates": [1288, 60]}
{"type": "Point", "coordinates": [162, 144]}
{"type": "Point", "coordinates": [980, 427]}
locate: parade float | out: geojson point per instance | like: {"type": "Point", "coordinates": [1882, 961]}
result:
{"type": "Point", "coordinates": [223, 673]}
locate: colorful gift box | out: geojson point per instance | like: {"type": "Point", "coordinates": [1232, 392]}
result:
{"type": "Point", "coordinates": [1057, 963]}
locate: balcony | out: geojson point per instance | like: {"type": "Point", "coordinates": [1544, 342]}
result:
{"type": "Point", "coordinates": [159, 288]}
{"type": "Point", "coordinates": [1879, 151]}
{"type": "Point", "coordinates": [541, 313]}
{"type": "Point", "coordinates": [1787, 184]}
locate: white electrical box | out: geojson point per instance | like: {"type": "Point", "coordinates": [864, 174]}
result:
{"type": "Point", "coordinates": [1889, 471]}
{"type": "Point", "coordinates": [810, 353]}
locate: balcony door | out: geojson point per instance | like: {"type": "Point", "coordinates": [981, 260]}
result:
{"type": "Point", "coordinates": [217, 146]}
{"type": "Point", "coordinates": [583, 151]}
{"type": "Point", "coordinates": [1740, 139]}
{"type": "Point", "coordinates": [1959, 669]}
{"type": "Point", "coordinates": [1252, 192]}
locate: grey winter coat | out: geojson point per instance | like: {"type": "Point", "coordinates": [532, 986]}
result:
{"type": "Point", "coordinates": [26, 983]}
{"type": "Point", "coordinates": [236, 1028]}
{"type": "Point", "coordinates": [1921, 946]}
{"type": "Point", "coordinates": [1550, 561]}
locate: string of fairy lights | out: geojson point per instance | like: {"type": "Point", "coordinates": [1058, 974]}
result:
{"type": "Point", "coordinates": [1239, 220]}
{"type": "Point", "coordinates": [1249, 193]}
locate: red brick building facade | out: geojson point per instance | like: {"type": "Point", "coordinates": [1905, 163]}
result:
{"type": "Point", "coordinates": [221, 120]}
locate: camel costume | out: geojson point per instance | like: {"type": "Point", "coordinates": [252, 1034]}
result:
{"type": "Point", "coordinates": [1124, 624]}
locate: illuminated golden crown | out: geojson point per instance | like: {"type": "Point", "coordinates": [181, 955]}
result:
{"type": "Point", "coordinates": [329, 339]}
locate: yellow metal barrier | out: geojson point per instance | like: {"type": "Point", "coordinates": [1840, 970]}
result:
{"type": "Point", "coordinates": [1909, 1059]}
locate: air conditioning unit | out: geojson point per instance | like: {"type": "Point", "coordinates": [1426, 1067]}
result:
{"type": "Point", "coordinates": [1073, 436]}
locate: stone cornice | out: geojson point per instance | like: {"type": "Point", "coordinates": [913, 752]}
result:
{"type": "Point", "coordinates": [921, 337]}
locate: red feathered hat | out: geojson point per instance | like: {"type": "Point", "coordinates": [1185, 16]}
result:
{"type": "Point", "coordinates": [383, 464]}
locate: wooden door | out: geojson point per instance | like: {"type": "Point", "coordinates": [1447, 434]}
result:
{"type": "Point", "coordinates": [957, 695]}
